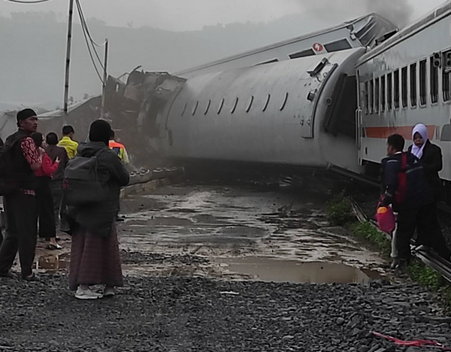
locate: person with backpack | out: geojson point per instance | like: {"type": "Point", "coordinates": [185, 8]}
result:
{"type": "Point", "coordinates": [92, 182]}
{"type": "Point", "coordinates": [23, 159]}
{"type": "Point", "coordinates": [430, 156]}
{"type": "Point", "coordinates": [406, 189]}
{"type": "Point", "coordinates": [44, 199]}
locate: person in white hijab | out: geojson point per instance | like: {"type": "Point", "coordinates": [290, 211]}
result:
{"type": "Point", "coordinates": [432, 160]}
{"type": "Point", "coordinates": [420, 138]}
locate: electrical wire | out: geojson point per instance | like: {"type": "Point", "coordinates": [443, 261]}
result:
{"type": "Point", "coordinates": [27, 2]}
{"type": "Point", "coordinates": [88, 44]}
{"type": "Point", "coordinates": [86, 29]}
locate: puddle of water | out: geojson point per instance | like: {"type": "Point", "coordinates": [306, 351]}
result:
{"type": "Point", "coordinates": [52, 263]}
{"type": "Point", "coordinates": [267, 269]}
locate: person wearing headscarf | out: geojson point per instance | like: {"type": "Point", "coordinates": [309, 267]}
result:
{"type": "Point", "coordinates": [430, 156]}
{"type": "Point", "coordinates": [95, 257]}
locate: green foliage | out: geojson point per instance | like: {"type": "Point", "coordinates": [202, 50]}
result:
{"type": "Point", "coordinates": [339, 210]}
{"type": "Point", "coordinates": [424, 275]}
{"type": "Point", "coordinates": [367, 231]}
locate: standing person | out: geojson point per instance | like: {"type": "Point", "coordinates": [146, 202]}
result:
{"type": "Point", "coordinates": [1, 234]}
{"type": "Point", "coordinates": [432, 160]}
{"type": "Point", "coordinates": [119, 149]}
{"type": "Point", "coordinates": [67, 141]}
{"type": "Point", "coordinates": [20, 207]}
{"type": "Point", "coordinates": [405, 188]}
{"type": "Point", "coordinates": [71, 146]}
{"type": "Point", "coordinates": [44, 199]}
{"type": "Point", "coordinates": [56, 184]}
{"type": "Point", "coordinates": [95, 257]}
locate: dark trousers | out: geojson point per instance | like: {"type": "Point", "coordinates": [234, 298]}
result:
{"type": "Point", "coordinates": [56, 187]}
{"type": "Point", "coordinates": [44, 203]}
{"type": "Point", "coordinates": [424, 220]}
{"type": "Point", "coordinates": [20, 234]}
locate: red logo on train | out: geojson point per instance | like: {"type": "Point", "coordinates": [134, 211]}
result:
{"type": "Point", "coordinates": [318, 47]}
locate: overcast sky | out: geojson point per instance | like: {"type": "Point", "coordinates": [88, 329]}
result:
{"type": "Point", "coordinates": [180, 15]}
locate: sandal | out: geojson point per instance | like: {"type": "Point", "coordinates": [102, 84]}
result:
{"type": "Point", "coordinates": [53, 247]}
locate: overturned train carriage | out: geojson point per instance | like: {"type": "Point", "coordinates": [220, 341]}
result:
{"type": "Point", "coordinates": [298, 112]}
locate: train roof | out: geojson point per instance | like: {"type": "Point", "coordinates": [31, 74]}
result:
{"type": "Point", "coordinates": [366, 22]}
{"type": "Point", "coordinates": [408, 31]}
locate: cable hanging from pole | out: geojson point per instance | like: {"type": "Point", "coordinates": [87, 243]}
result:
{"type": "Point", "coordinates": [28, 2]}
{"type": "Point", "coordinates": [87, 40]}
{"type": "Point", "coordinates": [85, 28]}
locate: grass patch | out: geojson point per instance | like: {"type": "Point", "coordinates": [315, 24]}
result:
{"type": "Point", "coordinates": [368, 232]}
{"type": "Point", "coordinates": [339, 210]}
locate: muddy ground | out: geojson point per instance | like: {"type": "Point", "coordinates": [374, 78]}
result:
{"type": "Point", "coordinates": [224, 268]}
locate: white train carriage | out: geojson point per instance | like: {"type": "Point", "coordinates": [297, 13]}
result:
{"type": "Point", "coordinates": [405, 81]}
{"type": "Point", "coordinates": [361, 32]}
{"type": "Point", "coordinates": [297, 112]}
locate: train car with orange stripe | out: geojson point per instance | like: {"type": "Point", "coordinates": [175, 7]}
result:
{"type": "Point", "coordinates": [405, 81]}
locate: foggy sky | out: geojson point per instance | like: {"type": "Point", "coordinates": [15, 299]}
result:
{"type": "Point", "coordinates": [182, 15]}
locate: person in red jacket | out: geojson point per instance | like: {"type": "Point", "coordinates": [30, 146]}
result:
{"type": "Point", "coordinates": [44, 199]}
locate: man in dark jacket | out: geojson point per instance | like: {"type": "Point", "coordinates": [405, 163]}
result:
{"type": "Point", "coordinates": [1, 224]}
{"type": "Point", "coordinates": [406, 189]}
{"type": "Point", "coordinates": [56, 185]}
{"type": "Point", "coordinates": [20, 206]}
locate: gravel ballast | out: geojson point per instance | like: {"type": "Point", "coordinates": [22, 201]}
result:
{"type": "Point", "coordinates": [193, 314]}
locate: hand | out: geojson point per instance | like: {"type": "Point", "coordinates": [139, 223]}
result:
{"type": "Point", "coordinates": [57, 160]}
{"type": "Point", "coordinates": [41, 151]}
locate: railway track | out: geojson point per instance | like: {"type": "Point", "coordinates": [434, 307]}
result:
{"type": "Point", "coordinates": [429, 258]}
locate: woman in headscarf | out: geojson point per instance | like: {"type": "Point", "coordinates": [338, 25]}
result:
{"type": "Point", "coordinates": [432, 160]}
{"type": "Point", "coordinates": [95, 258]}
{"type": "Point", "coordinates": [430, 156]}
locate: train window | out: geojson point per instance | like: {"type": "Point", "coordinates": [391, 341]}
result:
{"type": "Point", "coordinates": [366, 103]}
{"type": "Point", "coordinates": [383, 93]}
{"type": "Point", "coordinates": [284, 102]}
{"type": "Point", "coordinates": [434, 80]}
{"type": "Point", "coordinates": [446, 84]}
{"type": "Point", "coordinates": [184, 109]}
{"type": "Point", "coordinates": [303, 53]}
{"type": "Point", "coordinates": [249, 106]}
{"type": "Point", "coordinates": [234, 106]}
{"type": "Point", "coordinates": [413, 85]}
{"type": "Point", "coordinates": [446, 76]}
{"type": "Point", "coordinates": [423, 73]}
{"type": "Point", "coordinates": [193, 112]}
{"type": "Point", "coordinates": [268, 98]}
{"type": "Point", "coordinates": [376, 95]}
{"type": "Point", "coordinates": [389, 91]}
{"type": "Point", "coordinates": [342, 44]}
{"type": "Point", "coordinates": [371, 96]}
{"type": "Point", "coordinates": [221, 105]}
{"type": "Point", "coordinates": [396, 89]}
{"type": "Point", "coordinates": [404, 87]}
{"type": "Point", "coordinates": [207, 107]}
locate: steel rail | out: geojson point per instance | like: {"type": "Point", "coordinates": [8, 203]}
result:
{"type": "Point", "coordinates": [429, 258]}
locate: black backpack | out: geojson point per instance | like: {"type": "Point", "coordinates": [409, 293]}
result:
{"type": "Point", "coordinates": [8, 184]}
{"type": "Point", "coordinates": [81, 183]}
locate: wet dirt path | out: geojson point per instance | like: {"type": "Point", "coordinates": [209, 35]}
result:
{"type": "Point", "coordinates": [239, 232]}
{"type": "Point", "coordinates": [236, 232]}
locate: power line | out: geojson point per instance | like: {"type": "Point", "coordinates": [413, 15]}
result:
{"type": "Point", "coordinates": [27, 2]}
{"type": "Point", "coordinates": [80, 13]}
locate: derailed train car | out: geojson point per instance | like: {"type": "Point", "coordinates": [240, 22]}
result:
{"type": "Point", "coordinates": [332, 110]}
{"type": "Point", "coordinates": [298, 112]}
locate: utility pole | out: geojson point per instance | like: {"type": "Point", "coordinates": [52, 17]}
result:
{"type": "Point", "coordinates": [69, 42]}
{"type": "Point", "coordinates": [105, 77]}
